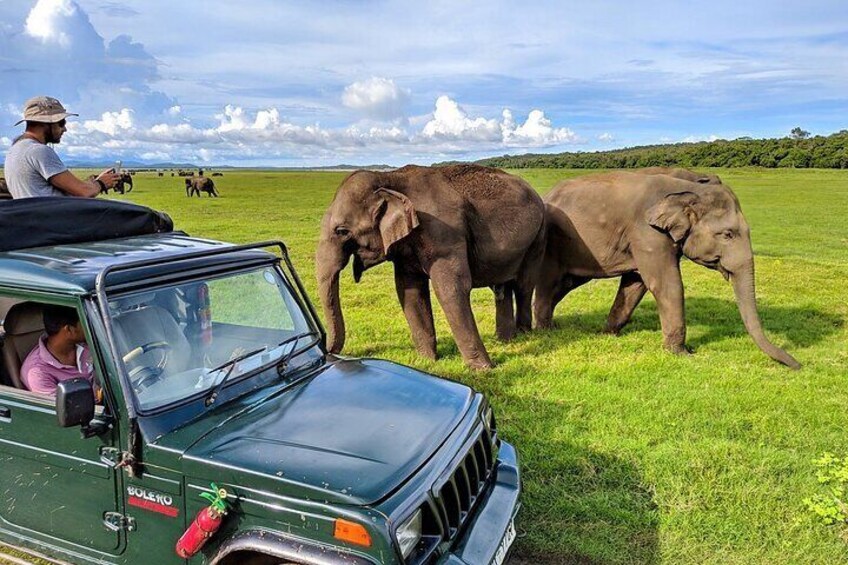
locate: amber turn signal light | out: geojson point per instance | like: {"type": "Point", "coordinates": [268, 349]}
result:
{"type": "Point", "coordinates": [352, 532]}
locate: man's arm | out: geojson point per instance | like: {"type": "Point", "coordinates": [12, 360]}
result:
{"type": "Point", "coordinates": [69, 184]}
{"type": "Point", "coordinates": [38, 380]}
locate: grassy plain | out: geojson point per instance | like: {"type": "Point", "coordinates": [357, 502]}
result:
{"type": "Point", "coordinates": [629, 454]}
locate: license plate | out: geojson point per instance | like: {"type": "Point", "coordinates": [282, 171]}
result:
{"type": "Point", "coordinates": [506, 542]}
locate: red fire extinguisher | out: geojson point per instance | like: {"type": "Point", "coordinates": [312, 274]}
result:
{"type": "Point", "coordinates": [205, 524]}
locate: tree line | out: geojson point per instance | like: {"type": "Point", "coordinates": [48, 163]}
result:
{"type": "Point", "coordinates": [798, 150]}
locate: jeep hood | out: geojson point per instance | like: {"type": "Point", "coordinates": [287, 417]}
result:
{"type": "Point", "coordinates": [352, 433]}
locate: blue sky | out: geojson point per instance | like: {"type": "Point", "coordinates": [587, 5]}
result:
{"type": "Point", "coordinates": [307, 83]}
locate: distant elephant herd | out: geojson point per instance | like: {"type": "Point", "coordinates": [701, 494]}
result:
{"type": "Point", "coordinates": [194, 185]}
{"type": "Point", "coordinates": [465, 226]}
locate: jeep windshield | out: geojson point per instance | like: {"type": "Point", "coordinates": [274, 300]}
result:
{"type": "Point", "coordinates": [184, 340]}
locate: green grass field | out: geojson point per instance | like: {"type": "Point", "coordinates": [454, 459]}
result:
{"type": "Point", "coordinates": [629, 454]}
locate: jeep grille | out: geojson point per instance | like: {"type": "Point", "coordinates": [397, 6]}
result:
{"type": "Point", "coordinates": [468, 480]}
{"type": "Point", "coordinates": [453, 501]}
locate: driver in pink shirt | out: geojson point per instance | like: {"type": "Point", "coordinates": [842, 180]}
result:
{"type": "Point", "coordinates": [61, 353]}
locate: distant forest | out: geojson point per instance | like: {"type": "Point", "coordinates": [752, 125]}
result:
{"type": "Point", "coordinates": [798, 150]}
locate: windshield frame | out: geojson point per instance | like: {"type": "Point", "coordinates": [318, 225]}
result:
{"type": "Point", "coordinates": [313, 328]}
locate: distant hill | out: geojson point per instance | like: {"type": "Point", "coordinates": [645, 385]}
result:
{"type": "Point", "coordinates": [799, 151]}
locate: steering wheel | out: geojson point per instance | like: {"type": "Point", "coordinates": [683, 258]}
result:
{"type": "Point", "coordinates": [143, 375]}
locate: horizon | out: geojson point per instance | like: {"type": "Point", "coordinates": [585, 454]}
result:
{"type": "Point", "coordinates": [273, 84]}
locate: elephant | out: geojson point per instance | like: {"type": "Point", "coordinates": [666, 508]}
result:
{"type": "Point", "coordinates": [637, 227]}
{"type": "Point", "coordinates": [4, 190]}
{"type": "Point", "coordinates": [683, 174]}
{"type": "Point", "coordinates": [460, 226]}
{"type": "Point", "coordinates": [196, 185]}
{"type": "Point", "coordinates": [126, 179]}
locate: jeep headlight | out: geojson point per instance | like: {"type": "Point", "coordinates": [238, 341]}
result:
{"type": "Point", "coordinates": [409, 534]}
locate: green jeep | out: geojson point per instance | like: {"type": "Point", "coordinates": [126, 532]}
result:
{"type": "Point", "coordinates": [213, 369]}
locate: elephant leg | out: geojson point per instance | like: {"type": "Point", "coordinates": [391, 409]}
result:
{"type": "Point", "coordinates": [543, 305]}
{"type": "Point", "coordinates": [524, 304]}
{"type": "Point", "coordinates": [666, 284]}
{"type": "Point", "coordinates": [452, 284]}
{"type": "Point", "coordinates": [630, 293]}
{"type": "Point", "coordinates": [528, 276]}
{"type": "Point", "coordinates": [413, 292]}
{"type": "Point", "coordinates": [549, 293]}
{"type": "Point", "coordinates": [566, 284]}
{"type": "Point", "coordinates": [504, 315]}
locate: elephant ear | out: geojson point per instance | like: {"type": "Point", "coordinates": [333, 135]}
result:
{"type": "Point", "coordinates": [398, 217]}
{"type": "Point", "coordinates": [674, 214]}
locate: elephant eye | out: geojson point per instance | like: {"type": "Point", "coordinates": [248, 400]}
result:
{"type": "Point", "coordinates": [728, 235]}
{"type": "Point", "coordinates": [342, 231]}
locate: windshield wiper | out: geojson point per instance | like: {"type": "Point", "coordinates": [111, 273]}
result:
{"type": "Point", "coordinates": [230, 365]}
{"type": "Point", "coordinates": [283, 365]}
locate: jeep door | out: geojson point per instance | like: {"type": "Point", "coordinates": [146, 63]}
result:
{"type": "Point", "coordinates": [55, 486]}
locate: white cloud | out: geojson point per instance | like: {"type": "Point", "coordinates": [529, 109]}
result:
{"type": "Point", "coordinates": [111, 122]}
{"type": "Point", "coordinates": [47, 18]}
{"type": "Point", "coordinates": [450, 121]}
{"type": "Point", "coordinates": [232, 119]}
{"type": "Point", "coordinates": [175, 110]}
{"type": "Point", "coordinates": [51, 47]}
{"type": "Point", "coordinates": [267, 119]}
{"type": "Point", "coordinates": [606, 137]}
{"type": "Point", "coordinates": [240, 134]}
{"type": "Point", "coordinates": [155, 156]}
{"type": "Point", "coordinates": [697, 138]}
{"type": "Point", "coordinates": [5, 142]}
{"type": "Point", "coordinates": [538, 131]}
{"type": "Point", "coordinates": [377, 98]}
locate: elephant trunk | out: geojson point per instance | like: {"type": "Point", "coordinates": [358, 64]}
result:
{"type": "Point", "coordinates": [743, 287]}
{"type": "Point", "coordinates": [330, 260]}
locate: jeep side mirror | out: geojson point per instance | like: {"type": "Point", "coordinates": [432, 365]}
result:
{"type": "Point", "coordinates": [74, 402]}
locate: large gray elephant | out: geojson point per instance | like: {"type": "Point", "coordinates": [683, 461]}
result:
{"type": "Point", "coordinates": [196, 185]}
{"type": "Point", "coordinates": [637, 227]}
{"type": "Point", "coordinates": [461, 227]}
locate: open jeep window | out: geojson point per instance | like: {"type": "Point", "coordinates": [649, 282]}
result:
{"type": "Point", "coordinates": [179, 341]}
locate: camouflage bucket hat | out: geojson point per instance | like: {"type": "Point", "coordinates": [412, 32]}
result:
{"type": "Point", "coordinates": [44, 109]}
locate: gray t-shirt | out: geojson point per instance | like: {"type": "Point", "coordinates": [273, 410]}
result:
{"type": "Point", "coordinates": [29, 165]}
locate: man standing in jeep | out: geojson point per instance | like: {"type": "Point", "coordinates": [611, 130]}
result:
{"type": "Point", "coordinates": [32, 167]}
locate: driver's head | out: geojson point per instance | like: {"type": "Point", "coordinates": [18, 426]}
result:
{"type": "Point", "coordinates": [63, 322]}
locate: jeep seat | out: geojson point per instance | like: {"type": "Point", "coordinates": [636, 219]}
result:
{"type": "Point", "coordinates": [24, 325]}
{"type": "Point", "coordinates": [147, 324]}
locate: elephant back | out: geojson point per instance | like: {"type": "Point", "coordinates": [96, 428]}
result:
{"type": "Point", "coordinates": [491, 190]}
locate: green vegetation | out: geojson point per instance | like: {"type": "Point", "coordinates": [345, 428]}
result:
{"type": "Point", "coordinates": [798, 151]}
{"type": "Point", "coordinates": [630, 455]}
{"type": "Point", "coordinates": [830, 506]}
